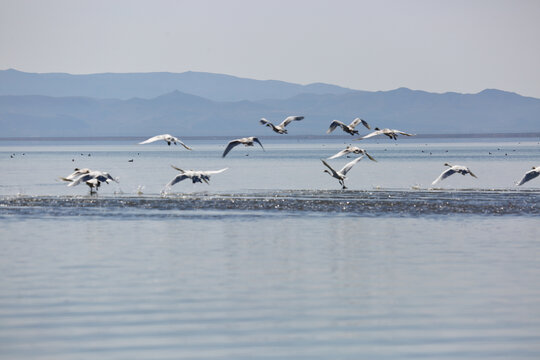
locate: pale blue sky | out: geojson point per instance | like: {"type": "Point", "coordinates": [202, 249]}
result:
{"type": "Point", "coordinates": [463, 46]}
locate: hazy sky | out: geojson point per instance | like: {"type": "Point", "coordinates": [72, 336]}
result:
{"type": "Point", "coordinates": [452, 45]}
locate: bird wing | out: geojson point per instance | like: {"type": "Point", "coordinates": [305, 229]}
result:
{"type": "Point", "coordinates": [177, 179]}
{"type": "Point", "coordinates": [258, 142]}
{"type": "Point", "coordinates": [529, 175]}
{"type": "Point", "coordinates": [358, 121]}
{"type": "Point", "coordinates": [369, 156]}
{"type": "Point", "coordinates": [402, 133]}
{"type": "Point", "coordinates": [328, 166]}
{"type": "Point", "coordinates": [231, 144]}
{"type": "Point", "coordinates": [152, 139]}
{"type": "Point", "coordinates": [349, 165]}
{"type": "Point", "coordinates": [184, 145]}
{"type": "Point", "coordinates": [333, 125]}
{"type": "Point", "coordinates": [264, 121]}
{"type": "Point", "coordinates": [181, 170]}
{"type": "Point", "coordinates": [339, 154]}
{"type": "Point", "coordinates": [106, 177]}
{"type": "Point", "coordinates": [212, 172]}
{"type": "Point", "coordinates": [289, 119]}
{"type": "Point", "coordinates": [372, 134]}
{"type": "Point", "coordinates": [446, 173]}
{"type": "Point", "coordinates": [82, 178]}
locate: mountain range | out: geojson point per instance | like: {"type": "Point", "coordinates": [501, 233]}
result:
{"type": "Point", "coordinates": [204, 104]}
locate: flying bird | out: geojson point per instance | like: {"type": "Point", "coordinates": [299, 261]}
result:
{"type": "Point", "coordinates": [529, 175]}
{"type": "Point", "coordinates": [463, 170]}
{"type": "Point", "coordinates": [391, 133]}
{"type": "Point", "coordinates": [93, 179]}
{"type": "Point", "coordinates": [168, 139]}
{"type": "Point", "coordinates": [340, 175]}
{"type": "Point", "coordinates": [347, 128]}
{"type": "Point", "coordinates": [280, 129]}
{"type": "Point", "coordinates": [195, 176]}
{"type": "Point", "coordinates": [351, 149]}
{"type": "Point", "coordinates": [247, 141]}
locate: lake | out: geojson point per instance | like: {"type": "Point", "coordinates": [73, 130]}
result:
{"type": "Point", "coordinates": [271, 259]}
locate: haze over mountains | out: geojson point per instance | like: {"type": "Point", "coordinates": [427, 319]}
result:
{"type": "Point", "coordinates": [204, 104]}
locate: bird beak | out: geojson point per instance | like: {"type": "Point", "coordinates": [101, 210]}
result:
{"type": "Point", "coordinates": [473, 175]}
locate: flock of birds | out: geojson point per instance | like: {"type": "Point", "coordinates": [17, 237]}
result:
{"type": "Point", "coordinates": [94, 178]}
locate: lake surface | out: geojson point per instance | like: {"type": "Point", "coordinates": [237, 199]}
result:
{"type": "Point", "coordinates": [272, 259]}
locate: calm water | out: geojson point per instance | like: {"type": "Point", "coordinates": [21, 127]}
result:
{"type": "Point", "coordinates": [272, 259]}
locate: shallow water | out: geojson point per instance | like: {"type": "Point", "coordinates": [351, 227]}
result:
{"type": "Point", "coordinates": [272, 259]}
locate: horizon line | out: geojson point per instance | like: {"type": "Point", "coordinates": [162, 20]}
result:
{"type": "Point", "coordinates": [273, 137]}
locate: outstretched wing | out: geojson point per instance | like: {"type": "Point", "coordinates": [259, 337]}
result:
{"type": "Point", "coordinates": [328, 166]}
{"type": "Point", "coordinates": [358, 121]}
{"type": "Point", "coordinates": [83, 178]}
{"type": "Point", "coordinates": [402, 133]}
{"type": "Point", "coordinates": [339, 154]}
{"type": "Point", "coordinates": [289, 119]}
{"type": "Point", "coordinates": [446, 173]}
{"type": "Point", "coordinates": [175, 168]}
{"type": "Point", "coordinates": [372, 134]}
{"type": "Point", "coordinates": [349, 165]}
{"type": "Point", "coordinates": [212, 172]}
{"type": "Point", "coordinates": [229, 147]}
{"type": "Point", "coordinates": [264, 121]}
{"type": "Point", "coordinates": [177, 179]}
{"type": "Point", "coordinates": [184, 145]}
{"type": "Point", "coordinates": [258, 142]}
{"type": "Point", "coordinates": [529, 175]}
{"type": "Point", "coordinates": [152, 139]}
{"type": "Point", "coordinates": [369, 156]}
{"type": "Point", "coordinates": [333, 125]}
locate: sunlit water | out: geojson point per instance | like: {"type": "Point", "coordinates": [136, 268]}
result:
{"type": "Point", "coordinates": [272, 259]}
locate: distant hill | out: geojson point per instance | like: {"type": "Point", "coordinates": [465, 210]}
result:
{"type": "Point", "coordinates": [490, 111]}
{"type": "Point", "coordinates": [217, 87]}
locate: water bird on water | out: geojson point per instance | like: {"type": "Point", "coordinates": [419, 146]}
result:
{"type": "Point", "coordinates": [93, 179]}
{"type": "Point", "coordinates": [351, 149]}
{"type": "Point", "coordinates": [347, 128]}
{"type": "Point", "coordinates": [280, 129]}
{"type": "Point", "coordinates": [391, 133]}
{"type": "Point", "coordinates": [196, 176]}
{"type": "Point", "coordinates": [340, 175]}
{"type": "Point", "coordinates": [247, 141]}
{"type": "Point", "coordinates": [463, 170]}
{"type": "Point", "coordinates": [169, 139]}
{"type": "Point", "coordinates": [529, 175]}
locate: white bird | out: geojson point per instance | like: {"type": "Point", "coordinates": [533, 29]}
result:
{"type": "Point", "coordinates": [195, 175]}
{"type": "Point", "coordinates": [463, 170]}
{"type": "Point", "coordinates": [247, 141]}
{"type": "Point", "coordinates": [93, 179]}
{"type": "Point", "coordinates": [529, 175]}
{"type": "Point", "coordinates": [347, 128]}
{"type": "Point", "coordinates": [280, 129]}
{"type": "Point", "coordinates": [168, 139]}
{"type": "Point", "coordinates": [391, 133]}
{"type": "Point", "coordinates": [351, 149]}
{"type": "Point", "coordinates": [340, 175]}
